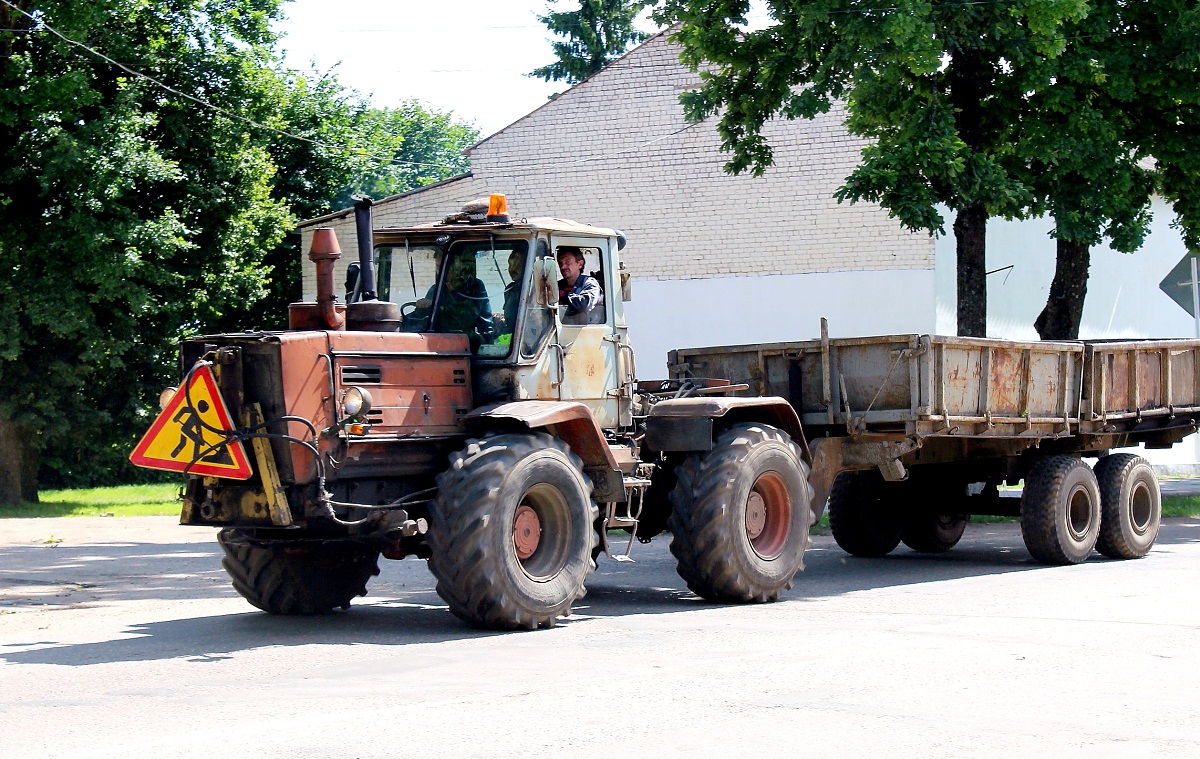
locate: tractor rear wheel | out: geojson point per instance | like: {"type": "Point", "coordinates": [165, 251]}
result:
{"type": "Point", "coordinates": [862, 523]}
{"type": "Point", "coordinates": [297, 577]}
{"type": "Point", "coordinates": [1130, 505]}
{"type": "Point", "coordinates": [512, 530]}
{"type": "Point", "coordinates": [1060, 510]}
{"type": "Point", "coordinates": [933, 533]}
{"type": "Point", "coordinates": [740, 516]}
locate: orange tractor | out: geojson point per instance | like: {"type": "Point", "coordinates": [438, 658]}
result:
{"type": "Point", "coordinates": [450, 411]}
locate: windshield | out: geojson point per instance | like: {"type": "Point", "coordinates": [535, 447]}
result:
{"type": "Point", "coordinates": [479, 296]}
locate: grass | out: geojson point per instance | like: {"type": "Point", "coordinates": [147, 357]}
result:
{"type": "Point", "coordinates": [1181, 506]}
{"type": "Point", "coordinates": [119, 501]}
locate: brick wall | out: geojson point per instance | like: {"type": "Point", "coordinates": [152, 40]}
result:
{"type": "Point", "coordinates": [615, 151]}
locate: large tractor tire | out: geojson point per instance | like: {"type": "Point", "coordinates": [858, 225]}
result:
{"type": "Point", "coordinates": [1130, 506]}
{"type": "Point", "coordinates": [933, 533]}
{"type": "Point", "coordinates": [512, 531]}
{"type": "Point", "coordinates": [1060, 510]}
{"type": "Point", "coordinates": [862, 523]}
{"type": "Point", "coordinates": [297, 577]}
{"type": "Point", "coordinates": [740, 516]}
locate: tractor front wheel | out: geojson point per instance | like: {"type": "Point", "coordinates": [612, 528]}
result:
{"type": "Point", "coordinates": [512, 531]}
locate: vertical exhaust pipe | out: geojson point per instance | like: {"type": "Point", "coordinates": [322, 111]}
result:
{"type": "Point", "coordinates": [366, 247]}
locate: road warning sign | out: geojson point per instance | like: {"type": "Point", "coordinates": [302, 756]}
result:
{"type": "Point", "coordinates": [185, 436]}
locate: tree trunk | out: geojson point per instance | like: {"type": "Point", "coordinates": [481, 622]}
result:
{"type": "Point", "coordinates": [1060, 318]}
{"type": "Point", "coordinates": [18, 465]}
{"type": "Point", "coordinates": [970, 237]}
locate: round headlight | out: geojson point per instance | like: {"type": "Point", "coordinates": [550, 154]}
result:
{"type": "Point", "coordinates": [356, 402]}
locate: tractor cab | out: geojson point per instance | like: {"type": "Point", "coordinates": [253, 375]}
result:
{"type": "Point", "coordinates": [498, 281]}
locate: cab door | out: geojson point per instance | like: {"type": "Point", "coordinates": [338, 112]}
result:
{"type": "Point", "coordinates": [590, 353]}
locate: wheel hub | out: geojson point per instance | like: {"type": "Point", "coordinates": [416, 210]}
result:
{"type": "Point", "coordinates": [756, 515]}
{"type": "Point", "coordinates": [527, 532]}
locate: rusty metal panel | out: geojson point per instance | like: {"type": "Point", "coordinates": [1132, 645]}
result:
{"type": "Point", "coordinates": [895, 379]}
{"type": "Point", "coordinates": [1184, 377]}
{"type": "Point", "coordinates": [1143, 378]}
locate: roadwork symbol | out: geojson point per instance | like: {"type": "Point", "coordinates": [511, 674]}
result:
{"type": "Point", "coordinates": [185, 435]}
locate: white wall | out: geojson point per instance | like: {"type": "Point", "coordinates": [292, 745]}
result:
{"type": "Point", "coordinates": [1123, 299]}
{"type": "Point", "coordinates": [689, 313]}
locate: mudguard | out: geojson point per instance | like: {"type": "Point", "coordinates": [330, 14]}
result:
{"type": "Point", "coordinates": [569, 421]}
{"type": "Point", "coordinates": [690, 424]}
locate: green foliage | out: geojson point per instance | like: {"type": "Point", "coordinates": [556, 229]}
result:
{"type": "Point", "coordinates": [127, 214]}
{"type": "Point", "coordinates": [927, 83]}
{"type": "Point", "coordinates": [131, 216]}
{"type": "Point", "coordinates": [598, 32]}
{"type": "Point", "coordinates": [349, 147]}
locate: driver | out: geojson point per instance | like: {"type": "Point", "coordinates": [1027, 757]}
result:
{"type": "Point", "coordinates": [465, 306]}
{"type": "Point", "coordinates": [580, 293]}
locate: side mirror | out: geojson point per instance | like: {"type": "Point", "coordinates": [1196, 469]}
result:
{"type": "Point", "coordinates": [545, 281]}
{"type": "Point", "coordinates": [626, 284]}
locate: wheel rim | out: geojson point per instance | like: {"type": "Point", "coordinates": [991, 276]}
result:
{"type": "Point", "coordinates": [1079, 513]}
{"type": "Point", "coordinates": [1141, 508]}
{"type": "Point", "coordinates": [768, 515]}
{"type": "Point", "coordinates": [527, 532]}
{"type": "Point", "coordinates": [541, 532]}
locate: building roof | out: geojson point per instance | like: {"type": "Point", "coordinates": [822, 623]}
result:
{"type": "Point", "coordinates": [343, 213]}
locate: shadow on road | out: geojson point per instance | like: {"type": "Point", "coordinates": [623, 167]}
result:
{"type": "Point", "coordinates": [409, 611]}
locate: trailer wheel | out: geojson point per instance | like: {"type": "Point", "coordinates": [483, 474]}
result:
{"type": "Point", "coordinates": [1130, 506]}
{"type": "Point", "coordinates": [933, 533]}
{"type": "Point", "coordinates": [860, 520]}
{"type": "Point", "coordinates": [512, 531]}
{"type": "Point", "coordinates": [297, 577]}
{"type": "Point", "coordinates": [1060, 510]}
{"type": "Point", "coordinates": [740, 516]}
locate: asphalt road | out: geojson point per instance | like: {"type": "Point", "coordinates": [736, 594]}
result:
{"type": "Point", "coordinates": [125, 639]}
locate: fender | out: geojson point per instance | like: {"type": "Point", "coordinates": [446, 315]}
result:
{"type": "Point", "coordinates": [569, 421]}
{"type": "Point", "coordinates": [691, 424]}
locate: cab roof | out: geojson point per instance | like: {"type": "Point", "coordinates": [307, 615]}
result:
{"type": "Point", "coordinates": [538, 224]}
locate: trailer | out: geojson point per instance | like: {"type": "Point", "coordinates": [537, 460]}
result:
{"type": "Point", "coordinates": [909, 435]}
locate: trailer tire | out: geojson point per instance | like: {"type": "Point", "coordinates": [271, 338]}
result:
{"type": "Point", "coordinates": [512, 531]}
{"type": "Point", "coordinates": [297, 577]}
{"type": "Point", "coordinates": [933, 533]}
{"type": "Point", "coordinates": [1060, 510]}
{"type": "Point", "coordinates": [1130, 506]}
{"type": "Point", "coordinates": [740, 515]}
{"type": "Point", "coordinates": [861, 522]}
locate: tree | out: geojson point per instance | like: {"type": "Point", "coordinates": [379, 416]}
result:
{"type": "Point", "coordinates": [1097, 119]}
{"type": "Point", "coordinates": [128, 213]}
{"type": "Point", "coordinates": [348, 147]}
{"type": "Point", "coordinates": [994, 109]}
{"type": "Point", "coordinates": [929, 84]}
{"type": "Point", "coordinates": [598, 32]}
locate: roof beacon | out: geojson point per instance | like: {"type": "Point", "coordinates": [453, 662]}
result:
{"type": "Point", "coordinates": [497, 208]}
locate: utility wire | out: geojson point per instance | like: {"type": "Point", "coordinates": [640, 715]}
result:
{"type": "Point", "coordinates": [231, 114]}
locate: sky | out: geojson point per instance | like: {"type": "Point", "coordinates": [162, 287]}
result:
{"type": "Point", "coordinates": [465, 56]}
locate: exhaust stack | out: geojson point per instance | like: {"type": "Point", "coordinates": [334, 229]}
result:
{"type": "Point", "coordinates": [366, 247]}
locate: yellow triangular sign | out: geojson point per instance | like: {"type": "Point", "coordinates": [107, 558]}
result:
{"type": "Point", "coordinates": [185, 435]}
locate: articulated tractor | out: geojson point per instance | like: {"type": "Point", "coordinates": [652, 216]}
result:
{"type": "Point", "coordinates": [452, 410]}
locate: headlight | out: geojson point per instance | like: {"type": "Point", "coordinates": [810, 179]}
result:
{"type": "Point", "coordinates": [356, 402]}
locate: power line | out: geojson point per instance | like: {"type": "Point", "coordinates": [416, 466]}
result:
{"type": "Point", "coordinates": [225, 111]}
